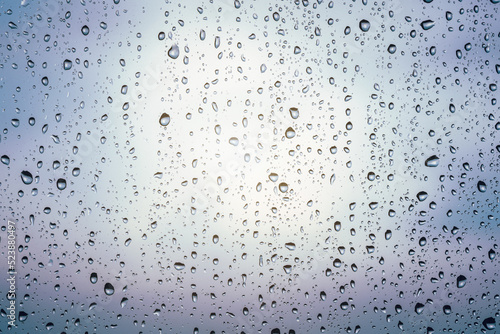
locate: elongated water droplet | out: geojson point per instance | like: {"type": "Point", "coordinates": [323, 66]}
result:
{"type": "Point", "coordinates": [481, 186]}
{"type": "Point", "coordinates": [461, 280]}
{"type": "Point", "coordinates": [93, 278]}
{"type": "Point", "coordinates": [61, 184]}
{"type": "Point", "coordinates": [432, 161]}
{"type": "Point", "coordinates": [427, 24]}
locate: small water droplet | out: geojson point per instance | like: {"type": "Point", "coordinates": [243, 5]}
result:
{"type": "Point", "coordinates": [85, 30]}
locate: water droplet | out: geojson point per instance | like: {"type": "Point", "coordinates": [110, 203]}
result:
{"type": "Point", "coordinates": [22, 316]}
{"type": "Point", "coordinates": [392, 49]}
{"type": "Point", "coordinates": [297, 50]}
{"type": "Point", "coordinates": [161, 35]}
{"type": "Point", "coordinates": [388, 234]}
{"type": "Point", "coordinates": [491, 254]}
{"type": "Point", "coordinates": [294, 112]}
{"type": "Point", "coordinates": [123, 302]}
{"type": "Point", "coordinates": [103, 25]}
{"type": "Point", "coordinates": [109, 289]}
{"type": "Point", "coordinates": [481, 186]}
{"type": "Point", "coordinates": [67, 64]}
{"type": "Point", "coordinates": [5, 159]}
{"type": "Point", "coordinates": [173, 52]}
{"type": "Point", "coordinates": [290, 246]}
{"type": "Point", "coordinates": [447, 309]}
{"type": "Point", "coordinates": [85, 30]}
{"type": "Point", "coordinates": [422, 196]}
{"type": "Point", "coordinates": [218, 129]}
{"type": "Point", "coordinates": [427, 24]}
{"type": "Point", "coordinates": [164, 119]}
{"type": "Point", "coordinates": [273, 177]}
{"type": "Point", "coordinates": [432, 161]}
{"type": "Point", "coordinates": [419, 308]}
{"type": "Point", "coordinates": [283, 187]}
{"type": "Point", "coordinates": [290, 133]}
{"type": "Point", "coordinates": [93, 278]}
{"type": "Point", "coordinates": [45, 81]}
{"type": "Point", "coordinates": [489, 323]}
{"type": "Point", "coordinates": [461, 280]}
{"type": "Point", "coordinates": [364, 25]}
{"type": "Point", "coordinates": [26, 177]}
{"type": "Point", "coordinates": [61, 184]}
{"type": "Point", "coordinates": [179, 265]}
{"type": "Point", "coordinates": [287, 268]}
{"type": "Point", "coordinates": [234, 141]}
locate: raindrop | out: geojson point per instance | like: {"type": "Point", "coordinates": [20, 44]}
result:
{"type": "Point", "coordinates": [61, 184]}
{"type": "Point", "coordinates": [432, 161]}
{"type": "Point", "coordinates": [173, 52]}
{"type": "Point", "coordinates": [179, 266]}
{"type": "Point", "coordinates": [283, 187]}
{"type": "Point", "coordinates": [234, 141]}
{"type": "Point", "coordinates": [85, 30]}
{"type": "Point", "coordinates": [427, 24]}
{"type": "Point", "coordinates": [294, 112]}
{"type": "Point", "coordinates": [481, 186]}
{"type": "Point", "coordinates": [364, 25]}
{"type": "Point", "coordinates": [93, 278]}
{"type": "Point", "coordinates": [461, 280]}
{"type": "Point", "coordinates": [26, 177]}
{"type": "Point", "coordinates": [290, 133]}
{"type": "Point", "coordinates": [67, 64]}
{"type": "Point", "coordinates": [392, 49]}
{"type": "Point", "coordinates": [5, 159]}
{"type": "Point", "coordinates": [164, 119]}
{"type": "Point", "coordinates": [109, 289]}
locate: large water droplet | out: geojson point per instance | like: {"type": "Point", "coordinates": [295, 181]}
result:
{"type": "Point", "coordinates": [364, 25]}
{"type": "Point", "coordinates": [234, 141]}
{"type": "Point", "coordinates": [173, 52]}
{"type": "Point", "coordinates": [283, 187]}
{"type": "Point", "coordinates": [422, 196]}
{"type": "Point", "coordinates": [61, 184]}
{"type": "Point", "coordinates": [461, 280]}
{"type": "Point", "coordinates": [164, 119]}
{"type": "Point", "coordinates": [67, 64]}
{"type": "Point", "coordinates": [427, 24]}
{"type": "Point", "coordinates": [5, 159]}
{"type": "Point", "coordinates": [419, 308]}
{"type": "Point", "coordinates": [179, 265]}
{"type": "Point", "coordinates": [294, 112]}
{"type": "Point", "coordinates": [489, 323]}
{"type": "Point", "coordinates": [85, 30]}
{"type": "Point", "coordinates": [93, 278]}
{"type": "Point", "coordinates": [432, 161]}
{"type": "Point", "coordinates": [392, 49]}
{"type": "Point", "coordinates": [481, 186]}
{"type": "Point", "coordinates": [273, 177]}
{"type": "Point", "coordinates": [109, 289]}
{"type": "Point", "coordinates": [290, 133]}
{"type": "Point", "coordinates": [26, 177]}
